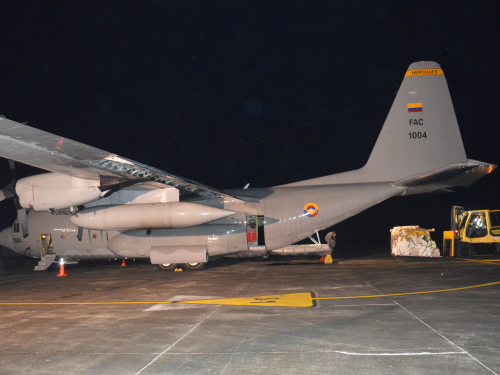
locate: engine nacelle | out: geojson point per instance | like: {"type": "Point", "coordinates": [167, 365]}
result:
{"type": "Point", "coordinates": [54, 190]}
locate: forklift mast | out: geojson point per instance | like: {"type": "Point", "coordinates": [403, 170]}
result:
{"type": "Point", "coordinates": [456, 215]}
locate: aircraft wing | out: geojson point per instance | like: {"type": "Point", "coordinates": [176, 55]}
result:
{"type": "Point", "coordinates": [38, 148]}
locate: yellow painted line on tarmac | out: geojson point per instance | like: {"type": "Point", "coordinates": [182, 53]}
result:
{"type": "Point", "coordinates": [282, 300]}
{"type": "Point", "coordinates": [80, 303]}
{"type": "Point", "coordinates": [413, 293]}
{"type": "Point", "coordinates": [493, 261]}
{"type": "Point", "coordinates": [425, 291]}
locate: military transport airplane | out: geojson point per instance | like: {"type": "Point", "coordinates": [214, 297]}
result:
{"type": "Point", "coordinates": [95, 204]}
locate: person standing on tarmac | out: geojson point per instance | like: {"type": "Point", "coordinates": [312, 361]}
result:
{"type": "Point", "coordinates": [331, 240]}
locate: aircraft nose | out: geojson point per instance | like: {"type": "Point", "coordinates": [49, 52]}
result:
{"type": "Point", "coordinates": [5, 238]}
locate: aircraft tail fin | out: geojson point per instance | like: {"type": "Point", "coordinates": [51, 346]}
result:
{"type": "Point", "coordinates": [421, 132]}
{"type": "Point", "coordinates": [420, 142]}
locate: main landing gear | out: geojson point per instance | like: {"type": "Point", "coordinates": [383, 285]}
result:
{"type": "Point", "coordinates": [167, 266]}
{"type": "Point", "coordinates": [186, 266]}
{"type": "Point", "coordinates": [194, 266]}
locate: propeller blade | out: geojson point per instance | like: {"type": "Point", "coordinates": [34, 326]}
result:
{"type": "Point", "coordinates": [9, 191]}
{"type": "Point", "coordinates": [12, 165]}
{"type": "Point", "coordinates": [23, 221]}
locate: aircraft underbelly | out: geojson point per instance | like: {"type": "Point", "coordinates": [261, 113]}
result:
{"type": "Point", "coordinates": [218, 239]}
{"type": "Point", "coordinates": [290, 221]}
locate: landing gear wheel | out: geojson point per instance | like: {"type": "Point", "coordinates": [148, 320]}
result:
{"type": "Point", "coordinates": [216, 260]}
{"type": "Point", "coordinates": [464, 250]}
{"type": "Point", "coordinates": [194, 266]}
{"type": "Point", "coordinates": [167, 266]}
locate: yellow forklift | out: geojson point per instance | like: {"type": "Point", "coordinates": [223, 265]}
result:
{"type": "Point", "coordinates": [472, 232]}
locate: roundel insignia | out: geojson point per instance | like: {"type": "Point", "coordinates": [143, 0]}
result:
{"type": "Point", "coordinates": [311, 209]}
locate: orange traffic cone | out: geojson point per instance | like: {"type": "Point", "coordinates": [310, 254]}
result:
{"type": "Point", "coordinates": [123, 263]}
{"type": "Point", "coordinates": [61, 271]}
{"type": "Point", "coordinates": [322, 260]}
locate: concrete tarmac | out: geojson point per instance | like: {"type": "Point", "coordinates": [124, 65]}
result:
{"type": "Point", "coordinates": [93, 321]}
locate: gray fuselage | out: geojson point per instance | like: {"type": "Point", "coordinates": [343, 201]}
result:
{"type": "Point", "coordinates": [284, 211]}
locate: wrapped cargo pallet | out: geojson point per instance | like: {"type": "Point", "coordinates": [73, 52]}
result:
{"type": "Point", "coordinates": [413, 241]}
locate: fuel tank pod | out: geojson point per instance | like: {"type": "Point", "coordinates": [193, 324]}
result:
{"type": "Point", "coordinates": [147, 216]}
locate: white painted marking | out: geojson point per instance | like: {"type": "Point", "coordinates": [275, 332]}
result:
{"type": "Point", "coordinates": [25, 319]}
{"type": "Point", "coordinates": [428, 326]}
{"type": "Point", "coordinates": [451, 342]}
{"type": "Point", "coordinates": [396, 354]}
{"type": "Point", "coordinates": [171, 346]}
{"type": "Point", "coordinates": [175, 306]}
{"type": "Point", "coordinates": [254, 269]}
{"type": "Point", "coordinates": [192, 329]}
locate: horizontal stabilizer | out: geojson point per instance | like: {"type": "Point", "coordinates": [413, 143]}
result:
{"type": "Point", "coordinates": [460, 174]}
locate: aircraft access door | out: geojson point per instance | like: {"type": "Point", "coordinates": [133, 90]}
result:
{"type": "Point", "coordinates": [255, 232]}
{"type": "Point", "coordinates": [46, 243]}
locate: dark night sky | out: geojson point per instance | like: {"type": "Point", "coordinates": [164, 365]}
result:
{"type": "Point", "coordinates": [167, 82]}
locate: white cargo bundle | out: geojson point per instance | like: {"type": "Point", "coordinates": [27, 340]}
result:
{"type": "Point", "coordinates": [413, 241]}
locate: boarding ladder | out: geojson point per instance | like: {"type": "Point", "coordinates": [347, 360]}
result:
{"type": "Point", "coordinates": [45, 261]}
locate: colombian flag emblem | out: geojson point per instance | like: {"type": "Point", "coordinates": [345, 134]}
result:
{"type": "Point", "coordinates": [311, 209]}
{"type": "Point", "coordinates": [414, 107]}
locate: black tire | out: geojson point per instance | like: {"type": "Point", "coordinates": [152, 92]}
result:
{"type": "Point", "coordinates": [464, 250]}
{"type": "Point", "coordinates": [194, 266]}
{"type": "Point", "coordinates": [167, 266]}
{"type": "Point", "coordinates": [216, 260]}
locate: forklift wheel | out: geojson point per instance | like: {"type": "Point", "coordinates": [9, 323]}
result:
{"type": "Point", "coordinates": [464, 250]}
